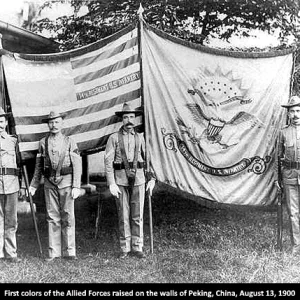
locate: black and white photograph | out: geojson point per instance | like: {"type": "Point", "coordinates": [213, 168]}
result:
{"type": "Point", "coordinates": [150, 148]}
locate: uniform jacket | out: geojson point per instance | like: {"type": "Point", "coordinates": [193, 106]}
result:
{"type": "Point", "coordinates": [113, 155]}
{"type": "Point", "coordinates": [72, 159]}
{"type": "Point", "coordinates": [8, 159]}
{"type": "Point", "coordinates": [289, 149]}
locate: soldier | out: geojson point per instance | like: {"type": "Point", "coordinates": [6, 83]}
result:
{"type": "Point", "coordinates": [9, 190]}
{"type": "Point", "coordinates": [289, 151]}
{"type": "Point", "coordinates": [124, 164]}
{"type": "Point", "coordinates": [59, 161]}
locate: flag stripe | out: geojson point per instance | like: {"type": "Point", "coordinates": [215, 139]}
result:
{"type": "Point", "coordinates": [118, 74]}
{"type": "Point", "coordinates": [79, 63]}
{"type": "Point", "coordinates": [80, 119]}
{"type": "Point", "coordinates": [105, 63]}
{"type": "Point", "coordinates": [100, 106]}
{"type": "Point", "coordinates": [82, 137]}
{"type": "Point", "coordinates": [95, 145]}
{"type": "Point", "coordinates": [23, 111]}
{"type": "Point", "coordinates": [73, 130]}
{"type": "Point", "coordinates": [98, 81]}
{"type": "Point", "coordinates": [109, 86]}
{"type": "Point", "coordinates": [76, 129]}
{"type": "Point", "coordinates": [108, 70]}
{"type": "Point", "coordinates": [85, 51]}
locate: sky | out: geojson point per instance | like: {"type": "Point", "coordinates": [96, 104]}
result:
{"type": "Point", "coordinates": [10, 9]}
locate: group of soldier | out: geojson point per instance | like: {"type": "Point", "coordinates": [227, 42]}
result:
{"type": "Point", "coordinates": [58, 160]}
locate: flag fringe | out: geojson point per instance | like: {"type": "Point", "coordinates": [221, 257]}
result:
{"type": "Point", "coordinates": [62, 56]}
{"type": "Point", "coordinates": [215, 51]}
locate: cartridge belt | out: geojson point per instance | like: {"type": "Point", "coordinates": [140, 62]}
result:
{"type": "Point", "coordinates": [64, 171]}
{"type": "Point", "coordinates": [121, 166]}
{"type": "Point", "coordinates": [9, 171]}
{"type": "Point", "coordinates": [289, 164]}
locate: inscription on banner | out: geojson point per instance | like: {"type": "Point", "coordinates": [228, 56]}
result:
{"type": "Point", "coordinates": [108, 86]}
{"type": "Point", "coordinates": [236, 168]}
{"type": "Point", "coordinates": [258, 164]}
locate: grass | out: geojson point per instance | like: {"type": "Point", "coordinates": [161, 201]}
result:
{"type": "Point", "coordinates": [192, 244]}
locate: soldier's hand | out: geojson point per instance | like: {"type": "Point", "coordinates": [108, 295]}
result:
{"type": "Point", "coordinates": [75, 193]}
{"type": "Point", "coordinates": [23, 193]}
{"type": "Point", "coordinates": [114, 190]}
{"type": "Point", "coordinates": [150, 186]}
{"type": "Point", "coordinates": [32, 190]}
{"type": "Point", "coordinates": [277, 185]}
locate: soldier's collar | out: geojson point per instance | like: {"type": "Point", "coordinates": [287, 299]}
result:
{"type": "Point", "coordinates": [126, 132]}
{"type": "Point", "coordinates": [56, 136]}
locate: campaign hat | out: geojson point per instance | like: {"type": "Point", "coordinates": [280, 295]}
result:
{"type": "Point", "coordinates": [294, 101]}
{"type": "Point", "coordinates": [128, 109]}
{"type": "Point", "coordinates": [53, 115]}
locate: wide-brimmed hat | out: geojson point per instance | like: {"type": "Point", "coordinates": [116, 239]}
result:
{"type": "Point", "coordinates": [127, 109]}
{"type": "Point", "coordinates": [53, 115]}
{"type": "Point", "coordinates": [3, 113]}
{"type": "Point", "coordinates": [294, 101]}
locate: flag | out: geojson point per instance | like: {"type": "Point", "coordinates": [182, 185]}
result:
{"type": "Point", "coordinates": [88, 84]}
{"type": "Point", "coordinates": [213, 117]}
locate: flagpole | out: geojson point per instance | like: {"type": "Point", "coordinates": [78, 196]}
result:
{"type": "Point", "coordinates": [140, 27]}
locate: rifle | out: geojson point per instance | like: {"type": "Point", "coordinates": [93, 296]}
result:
{"type": "Point", "coordinates": [24, 169]}
{"type": "Point", "coordinates": [279, 206]}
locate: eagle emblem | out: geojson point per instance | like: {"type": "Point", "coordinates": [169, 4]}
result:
{"type": "Point", "coordinates": [217, 111]}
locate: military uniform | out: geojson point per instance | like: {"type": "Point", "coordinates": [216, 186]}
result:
{"type": "Point", "coordinates": [58, 188]}
{"type": "Point", "coordinates": [130, 209]}
{"type": "Point", "coordinates": [289, 150]}
{"type": "Point", "coordinates": [9, 188]}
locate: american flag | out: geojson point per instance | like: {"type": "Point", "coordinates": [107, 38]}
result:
{"type": "Point", "coordinates": [88, 84]}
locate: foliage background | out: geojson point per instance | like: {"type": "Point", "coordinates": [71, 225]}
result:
{"type": "Point", "coordinates": [198, 21]}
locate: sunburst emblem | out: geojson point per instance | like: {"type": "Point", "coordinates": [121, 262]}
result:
{"type": "Point", "coordinates": [218, 105]}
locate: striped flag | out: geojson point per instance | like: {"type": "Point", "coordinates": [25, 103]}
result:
{"type": "Point", "coordinates": [88, 84]}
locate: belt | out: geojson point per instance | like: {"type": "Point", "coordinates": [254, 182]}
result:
{"type": "Point", "coordinates": [291, 164]}
{"type": "Point", "coordinates": [9, 171]}
{"type": "Point", "coordinates": [64, 171]}
{"type": "Point", "coordinates": [121, 166]}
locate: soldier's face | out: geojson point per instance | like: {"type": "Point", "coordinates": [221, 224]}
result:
{"type": "Point", "coordinates": [129, 121]}
{"type": "Point", "coordinates": [294, 114]}
{"type": "Point", "coordinates": [3, 124]}
{"type": "Point", "coordinates": [55, 125]}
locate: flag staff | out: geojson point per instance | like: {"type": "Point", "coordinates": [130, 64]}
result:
{"type": "Point", "coordinates": [148, 196]}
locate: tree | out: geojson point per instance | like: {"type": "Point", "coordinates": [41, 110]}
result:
{"type": "Point", "coordinates": [193, 20]}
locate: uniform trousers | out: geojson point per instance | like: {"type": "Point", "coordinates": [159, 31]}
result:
{"type": "Point", "coordinates": [292, 193]}
{"type": "Point", "coordinates": [61, 221]}
{"type": "Point", "coordinates": [130, 218]}
{"type": "Point", "coordinates": [8, 224]}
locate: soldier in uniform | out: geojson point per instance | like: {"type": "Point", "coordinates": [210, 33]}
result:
{"type": "Point", "coordinates": [289, 152]}
{"type": "Point", "coordinates": [124, 167]}
{"type": "Point", "coordinates": [59, 161]}
{"type": "Point", "coordinates": [9, 190]}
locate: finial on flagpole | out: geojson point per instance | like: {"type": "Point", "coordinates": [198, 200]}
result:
{"type": "Point", "coordinates": [140, 11]}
